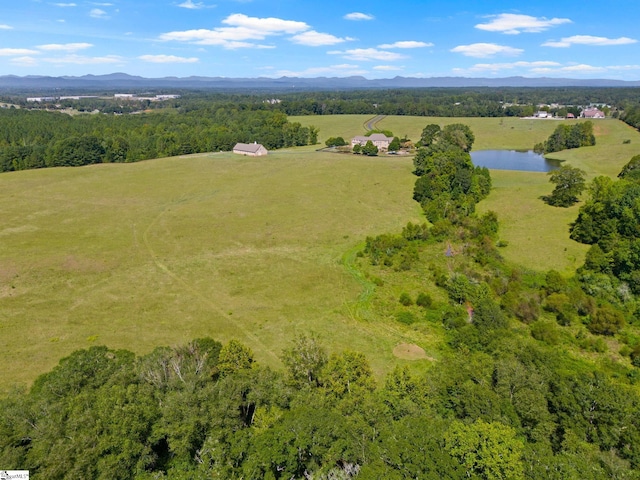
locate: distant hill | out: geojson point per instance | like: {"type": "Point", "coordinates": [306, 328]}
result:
{"type": "Point", "coordinates": [125, 81]}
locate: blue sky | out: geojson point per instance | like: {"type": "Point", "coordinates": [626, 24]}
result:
{"type": "Point", "coordinates": [271, 38]}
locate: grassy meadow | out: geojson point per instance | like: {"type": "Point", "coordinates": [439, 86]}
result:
{"type": "Point", "coordinates": [160, 252]}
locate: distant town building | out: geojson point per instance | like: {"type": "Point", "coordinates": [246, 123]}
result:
{"type": "Point", "coordinates": [250, 149]}
{"type": "Point", "coordinates": [378, 139]}
{"type": "Point", "coordinates": [78, 97]}
{"type": "Point", "coordinates": [41, 99]}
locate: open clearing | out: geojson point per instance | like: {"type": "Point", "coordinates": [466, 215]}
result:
{"type": "Point", "coordinates": [160, 252]}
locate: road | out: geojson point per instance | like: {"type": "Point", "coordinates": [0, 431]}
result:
{"type": "Point", "coordinates": [372, 124]}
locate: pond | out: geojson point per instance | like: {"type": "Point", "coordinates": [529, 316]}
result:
{"type": "Point", "coordinates": [513, 160]}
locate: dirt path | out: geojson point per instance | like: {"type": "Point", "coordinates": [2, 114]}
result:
{"type": "Point", "coordinates": [189, 288]}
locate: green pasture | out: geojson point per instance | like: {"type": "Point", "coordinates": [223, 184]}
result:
{"type": "Point", "coordinates": [160, 252]}
{"type": "Point", "coordinates": [490, 133]}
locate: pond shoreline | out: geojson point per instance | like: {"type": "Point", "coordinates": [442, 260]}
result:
{"type": "Point", "coordinates": [520, 160]}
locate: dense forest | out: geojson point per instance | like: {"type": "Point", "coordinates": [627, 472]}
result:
{"type": "Point", "coordinates": [37, 139]}
{"type": "Point", "coordinates": [508, 399]}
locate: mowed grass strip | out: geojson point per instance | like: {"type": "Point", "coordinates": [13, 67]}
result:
{"type": "Point", "coordinates": [160, 252]}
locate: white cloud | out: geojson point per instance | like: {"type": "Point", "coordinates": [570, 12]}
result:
{"type": "Point", "coordinates": [6, 27]}
{"type": "Point", "coordinates": [588, 40]}
{"type": "Point", "coordinates": [582, 68]}
{"type": "Point", "coordinates": [242, 29]}
{"type": "Point", "coordinates": [513, 24]}
{"type": "Point", "coordinates": [98, 13]}
{"type": "Point", "coordinates": [388, 68]}
{"type": "Point", "coordinates": [341, 70]}
{"type": "Point", "coordinates": [368, 54]}
{"type": "Point", "coordinates": [406, 44]}
{"type": "Point", "coordinates": [14, 52]}
{"type": "Point", "coordinates": [167, 59]}
{"type": "Point", "coordinates": [317, 39]}
{"type": "Point", "coordinates": [194, 6]}
{"type": "Point", "coordinates": [265, 25]}
{"type": "Point", "coordinates": [544, 67]}
{"type": "Point", "coordinates": [81, 60]}
{"type": "Point", "coordinates": [26, 61]}
{"type": "Point", "coordinates": [358, 16]}
{"type": "Point", "coordinates": [495, 67]}
{"type": "Point", "coordinates": [67, 47]}
{"type": "Point", "coordinates": [483, 50]}
{"type": "Point", "coordinates": [65, 5]}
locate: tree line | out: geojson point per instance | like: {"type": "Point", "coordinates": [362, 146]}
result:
{"type": "Point", "coordinates": [568, 136]}
{"type": "Point", "coordinates": [519, 409]}
{"type": "Point", "coordinates": [441, 102]}
{"type": "Point", "coordinates": [38, 139]}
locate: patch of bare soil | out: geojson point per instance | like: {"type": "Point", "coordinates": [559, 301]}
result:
{"type": "Point", "coordinates": [409, 351]}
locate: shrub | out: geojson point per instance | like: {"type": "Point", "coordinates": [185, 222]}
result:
{"type": "Point", "coordinates": [545, 332]}
{"type": "Point", "coordinates": [414, 231]}
{"type": "Point", "coordinates": [606, 321]}
{"type": "Point", "coordinates": [527, 310]}
{"type": "Point", "coordinates": [555, 283]}
{"type": "Point", "coordinates": [424, 300]}
{"type": "Point", "coordinates": [406, 317]}
{"type": "Point", "coordinates": [405, 299]}
{"type": "Point", "coordinates": [591, 344]}
{"type": "Point", "coordinates": [335, 142]}
{"type": "Point", "coordinates": [635, 356]}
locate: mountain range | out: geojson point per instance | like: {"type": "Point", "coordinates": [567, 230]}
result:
{"type": "Point", "coordinates": [125, 81]}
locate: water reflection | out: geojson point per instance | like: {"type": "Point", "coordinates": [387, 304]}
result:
{"type": "Point", "coordinates": [513, 160]}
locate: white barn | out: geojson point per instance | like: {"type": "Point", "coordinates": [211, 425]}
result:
{"type": "Point", "coordinates": [250, 149]}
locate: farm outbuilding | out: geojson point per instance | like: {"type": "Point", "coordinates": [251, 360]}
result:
{"type": "Point", "coordinates": [250, 149]}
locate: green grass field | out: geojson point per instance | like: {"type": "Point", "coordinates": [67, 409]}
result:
{"type": "Point", "coordinates": [490, 133]}
{"type": "Point", "coordinates": [160, 252]}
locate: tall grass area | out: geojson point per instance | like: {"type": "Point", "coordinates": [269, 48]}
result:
{"type": "Point", "coordinates": [160, 252]}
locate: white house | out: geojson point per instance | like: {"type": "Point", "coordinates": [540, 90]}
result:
{"type": "Point", "coordinates": [378, 139]}
{"type": "Point", "coordinates": [250, 149]}
{"type": "Point", "coordinates": [592, 113]}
